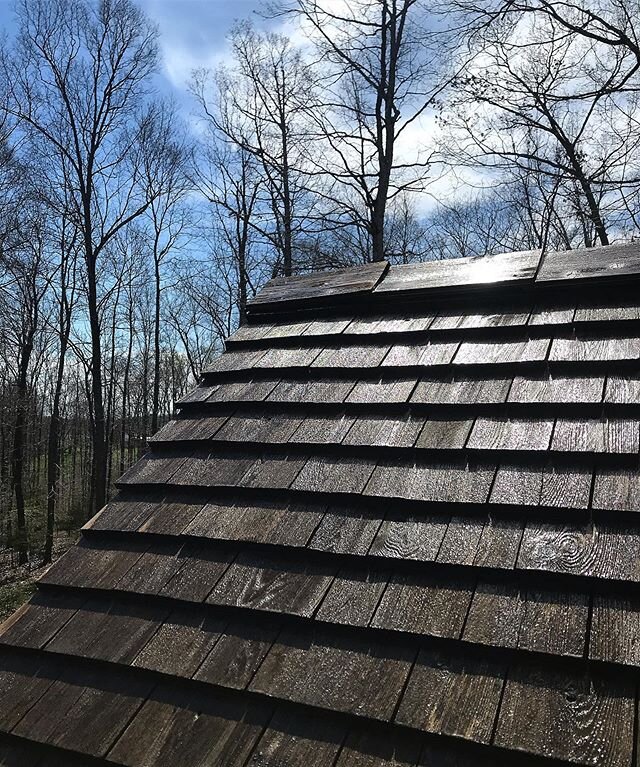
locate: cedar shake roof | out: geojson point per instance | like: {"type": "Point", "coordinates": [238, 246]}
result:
{"type": "Point", "coordinates": [396, 523]}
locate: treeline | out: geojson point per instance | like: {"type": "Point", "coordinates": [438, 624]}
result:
{"type": "Point", "coordinates": [132, 238]}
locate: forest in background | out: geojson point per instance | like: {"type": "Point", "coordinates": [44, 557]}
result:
{"type": "Point", "coordinates": [336, 133]}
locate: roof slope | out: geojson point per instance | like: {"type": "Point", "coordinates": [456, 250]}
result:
{"type": "Point", "coordinates": [395, 524]}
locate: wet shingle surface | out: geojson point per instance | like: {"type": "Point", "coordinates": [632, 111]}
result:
{"type": "Point", "coordinates": [386, 528]}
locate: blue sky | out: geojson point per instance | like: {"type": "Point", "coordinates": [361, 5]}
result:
{"type": "Point", "coordinates": [192, 33]}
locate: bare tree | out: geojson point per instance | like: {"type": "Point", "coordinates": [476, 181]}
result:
{"type": "Point", "coordinates": [22, 327]}
{"type": "Point", "coordinates": [380, 77]}
{"type": "Point", "coordinates": [612, 24]}
{"type": "Point", "coordinates": [259, 107]}
{"type": "Point", "coordinates": [76, 82]}
{"type": "Point", "coordinates": [166, 179]}
{"type": "Point", "coordinates": [65, 291]}
{"type": "Point", "coordinates": [535, 102]}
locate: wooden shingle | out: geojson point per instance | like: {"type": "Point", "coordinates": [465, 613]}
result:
{"type": "Point", "coordinates": [392, 526]}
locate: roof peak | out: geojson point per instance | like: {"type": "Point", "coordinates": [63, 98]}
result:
{"type": "Point", "coordinates": [379, 282]}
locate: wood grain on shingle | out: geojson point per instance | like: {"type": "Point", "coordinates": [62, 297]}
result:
{"type": "Point", "coordinates": [351, 357]}
{"type": "Point", "coordinates": [243, 391]}
{"type": "Point", "coordinates": [495, 615]}
{"type": "Point", "coordinates": [273, 470]}
{"type": "Point", "coordinates": [517, 485]}
{"type": "Point", "coordinates": [301, 357]}
{"type": "Point", "coordinates": [181, 643]}
{"type": "Point", "coordinates": [311, 391]}
{"type": "Point", "coordinates": [566, 487]}
{"type": "Point", "coordinates": [36, 622]}
{"type": "Point", "coordinates": [153, 569]}
{"type": "Point", "coordinates": [439, 433]}
{"type": "Point", "coordinates": [298, 741]}
{"type": "Point", "coordinates": [196, 729]}
{"type": "Point", "coordinates": [122, 513]}
{"type": "Point", "coordinates": [236, 360]}
{"type": "Point", "coordinates": [334, 476]}
{"type": "Point", "coordinates": [607, 312]}
{"type": "Point", "coordinates": [589, 263]}
{"type": "Point", "coordinates": [622, 389]}
{"type": "Point", "coordinates": [597, 436]}
{"type": "Point", "coordinates": [154, 469]}
{"type": "Point", "coordinates": [262, 522]}
{"type": "Point", "coordinates": [21, 686]}
{"type": "Point", "coordinates": [323, 429]}
{"type": "Point", "coordinates": [410, 537]}
{"type": "Point", "coordinates": [108, 631]}
{"type": "Point", "coordinates": [461, 540]}
{"type": "Point", "coordinates": [170, 517]}
{"type": "Point", "coordinates": [212, 469]}
{"type": "Point", "coordinates": [585, 550]}
{"type": "Point", "coordinates": [379, 431]}
{"type": "Point", "coordinates": [615, 630]}
{"type": "Point", "coordinates": [237, 653]}
{"type": "Point", "coordinates": [385, 390]}
{"type": "Point", "coordinates": [553, 313]}
{"type": "Point", "coordinates": [350, 281]}
{"type": "Point", "coordinates": [256, 427]}
{"type": "Point", "coordinates": [580, 719]}
{"type": "Point", "coordinates": [250, 333]}
{"type": "Point", "coordinates": [286, 329]}
{"type": "Point", "coordinates": [617, 489]}
{"type": "Point", "coordinates": [452, 695]}
{"type": "Point", "coordinates": [473, 271]}
{"type": "Point", "coordinates": [345, 530]}
{"type": "Point", "coordinates": [199, 571]}
{"type": "Point", "coordinates": [367, 325]}
{"type": "Point", "coordinates": [325, 327]}
{"type": "Point", "coordinates": [555, 622]}
{"type": "Point", "coordinates": [364, 748]}
{"type": "Point", "coordinates": [189, 429]}
{"type": "Point", "coordinates": [94, 565]}
{"type": "Point", "coordinates": [494, 318]}
{"type": "Point", "coordinates": [499, 543]}
{"type": "Point", "coordinates": [272, 585]}
{"type": "Point", "coordinates": [83, 711]}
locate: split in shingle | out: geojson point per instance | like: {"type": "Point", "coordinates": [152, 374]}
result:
{"type": "Point", "coordinates": [461, 391]}
{"type": "Point", "coordinates": [420, 355]}
{"type": "Point", "coordinates": [436, 482]}
{"type": "Point", "coordinates": [597, 436]}
{"type": "Point", "coordinates": [511, 434]}
{"type": "Point", "coordinates": [499, 317]}
{"type": "Point", "coordinates": [492, 352]}
{"type": "Point", "coordinates": [351, 357]}
{"type": "Point", "coordinates": [385, 390]}
{"type": "Point", "coordinates": [549, 388]}
{"type": "Point", "coordinates": [379, 431]}
{"type": "Point", "coordinates": [594, 349]}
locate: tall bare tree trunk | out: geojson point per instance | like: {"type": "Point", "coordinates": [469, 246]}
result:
{"type": "Point", "coordinates": [99, 458]}
{"type": "Point", "coordinates": [17, 455]}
